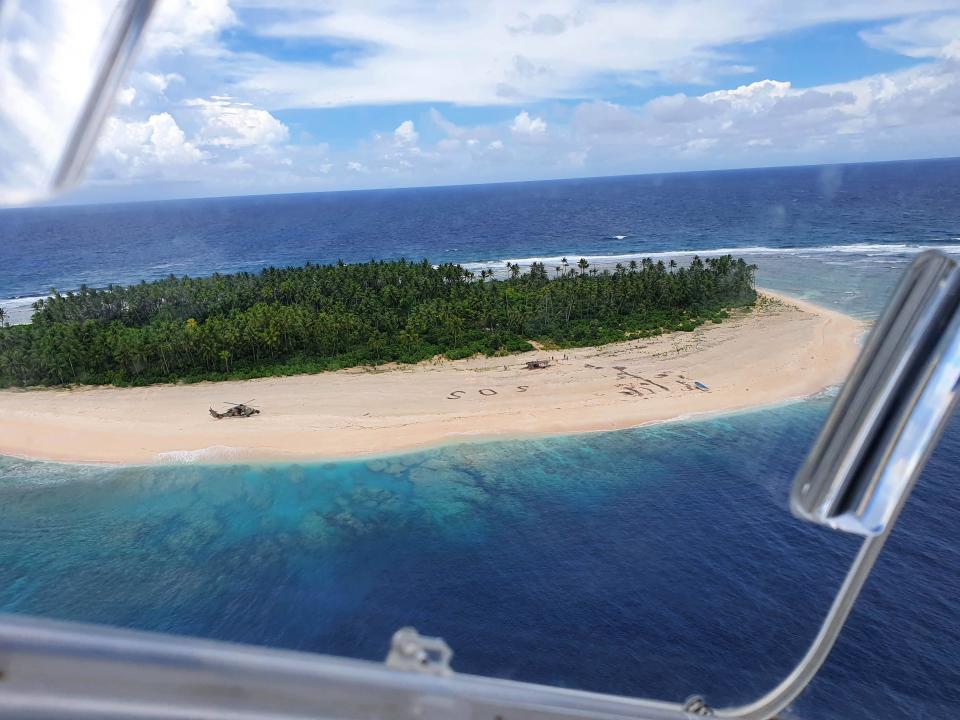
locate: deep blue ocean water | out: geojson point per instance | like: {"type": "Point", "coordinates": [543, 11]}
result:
{"type": "Point", "coordinates": [821, 211]}
{"type": "Point", "coordinates": [659, 561]}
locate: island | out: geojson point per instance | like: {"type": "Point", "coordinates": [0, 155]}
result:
{"type": "Point", "coordinates": [379, 357]}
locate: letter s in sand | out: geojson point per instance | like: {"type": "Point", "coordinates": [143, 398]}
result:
{"type": "Point", "coordinates": [456, 394]}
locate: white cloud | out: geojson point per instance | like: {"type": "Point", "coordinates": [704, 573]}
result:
{"type": "Point", "coordinates": [220, 144]}
{"type": "Point", "coordinates": [681, 108]}
{"type": "Point", "coordinates": [451, 129]}
{"type": "Point", "coordinates": [160, 149]}
{"type": "Point", "coordinates": [150, 146]}
{"type": "Point", "coordinates": [495, 53]}
{"type": "Point", "coordinates": [215, 109]}
{"type": "Point", "coordinates": [406, 133]}
{"type": "Point", "coordinates": [156, 83]}
{"type": "Point", "coordinates": [235, 124]}
{"type": "Point", "coordinates": [187, 25]}
{"type": "Point", "coordinates": [914, 112]}
{"type": "Point", "coordinates": [604, 118]}
{"type": "Point", "coordinates": [911, 101]}
{"type": "Point", "coordinates": [126, 96]}
{"type": "Point", "coordinates": [523, 124]}
{"type": "Point", "coordinates": [765, 123]}
{"type": "Point", "coordinates": [762, 93]}
{"type": "Point", "coordinates": [927, 36]}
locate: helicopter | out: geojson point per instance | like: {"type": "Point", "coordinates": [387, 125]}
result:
{"type": "Point", "coordinates": [236, 410]}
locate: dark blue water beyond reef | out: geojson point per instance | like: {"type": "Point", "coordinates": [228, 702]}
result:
{"type": "Point", "coordinates": [657, 562]}
{"type": "Point", "coordinates": [831, 213]}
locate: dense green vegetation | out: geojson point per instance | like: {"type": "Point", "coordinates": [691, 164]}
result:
{"type": "Point", "coordinates": [313, 318]}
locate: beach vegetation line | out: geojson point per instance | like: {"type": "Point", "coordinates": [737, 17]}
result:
{"type": "Point", "coordinates": [284, 321]}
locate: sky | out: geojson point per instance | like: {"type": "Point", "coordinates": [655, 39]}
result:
{"type": "Point", "coordinates": [256, 96]}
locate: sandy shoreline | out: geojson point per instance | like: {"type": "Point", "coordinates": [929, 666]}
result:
{"type": "Point", "coordinates": [785, 349]}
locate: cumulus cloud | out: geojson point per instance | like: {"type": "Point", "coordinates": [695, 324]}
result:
{"type": "Point", "coordinates": [528, 126]}
{"type": "Point", "coordinates": [406, 134]}
{"type": "Point", "coordinates": [149, 147]}
{"type": "Point", "coordinates": [550, 65]}
{"type": "Point", "coordinates": [231, 123]}
{"type": "Point", "coordinates": [756, 95]}
{"type": "Point", "coordinates": [771, 122]}
{"type": "Point", "coordinates": [215, 142]}
{"type": "Point", "coordinates": [912, 101]}
{"type": "Point", "coordinates": [768, 122]}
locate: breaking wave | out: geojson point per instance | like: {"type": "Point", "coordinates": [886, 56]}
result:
{"type": "Point", "coordinates": [203, 455]}
{"type": "Point", "coordinates": [17, 302]}
{"type": "Point", "coordinates": [864, 249]}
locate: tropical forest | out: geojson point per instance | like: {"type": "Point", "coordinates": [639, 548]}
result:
{"type": "Point", "coordinates": [284, 321]}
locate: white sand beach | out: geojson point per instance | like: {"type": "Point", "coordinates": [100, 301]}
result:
{"type": "Point", "coordinates": [783, 349]}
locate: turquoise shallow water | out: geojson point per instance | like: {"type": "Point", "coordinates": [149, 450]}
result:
{"type": "Point", "coordinates": [658, 561]}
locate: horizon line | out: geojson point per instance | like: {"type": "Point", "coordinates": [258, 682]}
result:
{"type": "Point", "coordinates": [57, 202]}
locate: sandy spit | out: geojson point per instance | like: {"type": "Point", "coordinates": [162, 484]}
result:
{"type": "Point", "coordinates": [784, 349]}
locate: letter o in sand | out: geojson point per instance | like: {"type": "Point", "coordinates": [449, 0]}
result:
{"type": "Point", "coordinates": [487, 391]}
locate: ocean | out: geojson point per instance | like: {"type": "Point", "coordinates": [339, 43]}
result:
{"type": "Point", "coordinates": [658, 562]}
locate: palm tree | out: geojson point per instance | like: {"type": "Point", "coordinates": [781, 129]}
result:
{"type": "Point", "coordinates": [673, 263]}
{"type": "Point", "coordinates": [333, 315]}
{"type": "Point", "coordinates": [3, 317]}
